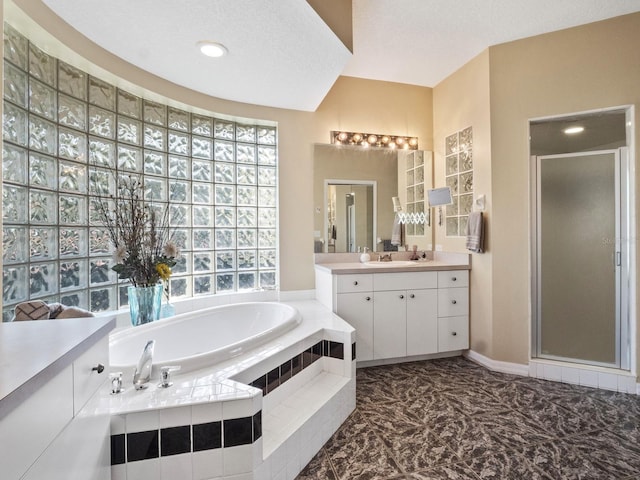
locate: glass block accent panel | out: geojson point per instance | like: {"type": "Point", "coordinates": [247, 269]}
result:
{"type": "Point", "coordinates": [129, 104]}
{"type": "Point", "coordinates": [155, 113]}
{"type": "Point", "coordinates": [42, 135]}
{"type": "Point", "coordinates": [16, 47]}
{"type": "Point", "coordinates": [15, 85]}
{"type": "Point", "coordinates": [72, 81]}
{"type": "Point", "coordinates": [102, 94]}
{"type": "Point", "coordinates": [267, 135]}
{"type": "Point", "coordinates": [42, 66]}
{"type": "Point", "coordinates": [102, 122]}
{"type": "Point", "coordinates": [72, 112]}
{"type": "Point", "coordinates": [42, 100]}
{"type": "Point", "coordinates": [201, 125]}
{"type": "Point", "coordinates": [14, 124]}
{"type": "Point", "coordinates": [459, 177]}
{"type": "Point", "coordinates": [178, 119]}
{"type": "Point", "coordinates": [68, 135]}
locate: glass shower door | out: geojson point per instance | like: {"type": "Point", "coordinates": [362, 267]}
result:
{"type": "Point", "coordinates": [578, 257]}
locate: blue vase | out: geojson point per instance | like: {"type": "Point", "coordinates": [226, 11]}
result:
{"type": "Point", "coordinates": [144, 304]}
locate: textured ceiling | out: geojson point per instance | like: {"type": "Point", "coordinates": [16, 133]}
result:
{"type": "Point", "coordinates": [281, 54]}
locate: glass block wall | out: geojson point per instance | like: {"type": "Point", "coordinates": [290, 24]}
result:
{"type": "Point", "coordinates": [61, 126]}
{"type": "Point", "coordinates": [459, 177]}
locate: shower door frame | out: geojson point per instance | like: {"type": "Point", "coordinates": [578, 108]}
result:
{"type": "Point", "coordinates": [622, 259]}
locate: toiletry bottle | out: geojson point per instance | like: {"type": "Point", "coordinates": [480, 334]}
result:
{"type": "Point", "coordinates": [365, 257]}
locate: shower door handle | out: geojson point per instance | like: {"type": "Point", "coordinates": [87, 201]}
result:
{"type": "Point", "coordinates": [618, 259]}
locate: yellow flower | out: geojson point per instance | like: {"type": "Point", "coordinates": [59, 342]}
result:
{"type": "Point", "coordinates": [164, 271]}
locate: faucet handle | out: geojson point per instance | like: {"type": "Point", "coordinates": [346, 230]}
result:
{"type": "Point", "coordinates": [116, 382]}
{"type": "Point", "coordinates": [165, 373]}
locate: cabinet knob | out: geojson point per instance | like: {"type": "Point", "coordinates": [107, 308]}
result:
{"type": "Point", "coordinates": [355, 283]}
{"type": "Point", "coordinates": [98, 368]}
{"type": "Point", "coordinates": [453, 279]}
{"type": "Point", "coordinates": [412, 296]}
{"type": "Point", "coordinates": [401, 297]}
{"type": "Point", "coordinates": [367, 298]}
{"type": "Point", "coordinates": [453, 302]}
{"type": "Point", "coordinates": [454, 333]}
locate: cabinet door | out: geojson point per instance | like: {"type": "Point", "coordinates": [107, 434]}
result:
{"type": "Point", "coordinates": [422, 322]}
{"type": "Point", "coordinates": [453, 333]}
{"type": "Point", "coordinates": [389, 324]}
{"type": "Point", "coordinates": [357, 310]}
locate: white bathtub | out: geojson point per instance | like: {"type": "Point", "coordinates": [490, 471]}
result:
{"type": "Point", "coordinates": [203, 338]}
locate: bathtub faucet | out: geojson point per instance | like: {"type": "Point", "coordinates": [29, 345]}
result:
{"type": "Point", "coordinates": [142, 374]}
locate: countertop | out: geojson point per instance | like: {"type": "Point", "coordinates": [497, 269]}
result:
{"type": "Point", "coordinates": [342, 264]}
{"type": "Point", "coordinates": [33, 352]}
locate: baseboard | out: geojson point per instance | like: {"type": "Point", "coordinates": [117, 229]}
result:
{"type": "Point", "coordinates": [496, 365]}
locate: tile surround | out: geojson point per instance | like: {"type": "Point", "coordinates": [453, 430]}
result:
{"type": "Point", "coordinates": [218, 439]}
{"type": "Point", "coordinates": [453, 419]}
{"type": "Point", "coordinates": [279, 375]}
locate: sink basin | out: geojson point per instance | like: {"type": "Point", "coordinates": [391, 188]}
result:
{"type": "Point", "coordinates": [391, 264]}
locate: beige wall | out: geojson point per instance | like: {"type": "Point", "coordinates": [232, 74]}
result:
{"type": "Point", "coordinates": [460, 101]}
{"type": "Point", "coordinates": [583, 68]}
{"type": "Point", "coordinates": [352, 104]}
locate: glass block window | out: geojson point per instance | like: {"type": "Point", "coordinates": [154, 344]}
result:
{"type": "Point", "coordinates": [62, 127]}
{"type": "Point", "coordinates": [415, 190]}
{"type": "Point", "coordinates": [459, 177]}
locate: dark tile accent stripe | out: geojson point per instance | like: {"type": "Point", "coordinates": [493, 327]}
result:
{"type": "Point", "coordinates": [336, 350]}
{"type": "Point", "coordinates": [279, 375]}
{"type": "Point", "coordinates": [273, 379]}
{"type": "Point", "coordinates": [238, 431]}
{"type": "Point", "coordinates": [117, 449]}
{"type": "Point", "coordinates": [207, 436]}
{"type": "Point", "coordinates": [260, 383]}
{"type": "Point", "coordinates": [257, 425]}
{"type": "Point", "coordinates": [175, 440]}
{"type": "Point", "coordinates": [142, 446]}
{"type": "Point", "coordinates": [185, 439]}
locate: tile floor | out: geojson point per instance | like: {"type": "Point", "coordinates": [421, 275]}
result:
{"type": "Point", "coordinates": [453, 419]}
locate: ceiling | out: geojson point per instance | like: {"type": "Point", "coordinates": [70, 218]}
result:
{"type": "Point", "coordinates": [281, 53]}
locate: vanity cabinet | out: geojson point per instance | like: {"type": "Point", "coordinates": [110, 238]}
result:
{"type": "Point", "coordinates": [48, 428]}
{"type": "Point", "coordinates": [400, 314]}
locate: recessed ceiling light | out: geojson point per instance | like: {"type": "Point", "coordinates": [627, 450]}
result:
{"type": "Point", "coordinates": [212, 49]}
{"type": "Point", "coordinates": [573, 130]}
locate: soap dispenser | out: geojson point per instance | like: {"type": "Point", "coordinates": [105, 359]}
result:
{"type": "Point", "coordinates": [365, 257]}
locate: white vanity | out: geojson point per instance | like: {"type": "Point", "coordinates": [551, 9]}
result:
{"type": "Point", "coordinates": [401, 310]}
{"type": "Point", "coordinates": [49, 373]}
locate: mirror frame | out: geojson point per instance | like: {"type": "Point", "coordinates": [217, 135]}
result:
{"type": "Point", "coordinates": [325, 212]}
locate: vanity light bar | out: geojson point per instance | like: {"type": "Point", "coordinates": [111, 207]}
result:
{"type": "Point", "coordinates": [360, 139]}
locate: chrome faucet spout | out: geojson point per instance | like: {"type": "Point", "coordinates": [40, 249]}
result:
{"type": "Point", "coordinates": [142, 374]}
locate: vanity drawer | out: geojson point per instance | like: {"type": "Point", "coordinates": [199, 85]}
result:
{"type": "Point", "coordinates": [453, 278]}
{"type": "Point", "coordinates": [453, 302]}
{"type": "Point", "coordinates": [453, 333]}
{"type": "Point", "coordinates": [86, 380]}
{"type": "Point", "coordinates": [354, 283]}
{"type": "Point", "coordinates": [404, 280]}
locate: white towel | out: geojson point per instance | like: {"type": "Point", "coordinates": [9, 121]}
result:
{"type": "Point", "coordinates": [396, 231]}
{"type": "Point", "coordinates": [475, 232]}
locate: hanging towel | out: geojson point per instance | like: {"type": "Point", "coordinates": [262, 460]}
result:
{"type": "Point", "coordinates": [396, 231]}
{"type": "Point", "coordinates": [475, 232]}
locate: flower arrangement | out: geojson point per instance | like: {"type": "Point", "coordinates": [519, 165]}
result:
{"type": "Point", "coordinates": [140, 232]}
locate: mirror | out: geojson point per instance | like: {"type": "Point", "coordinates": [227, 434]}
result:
{"type": "Point", "coordinates": [367, 173]}
{"type": "Point", "coordinates": [351, 215]}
